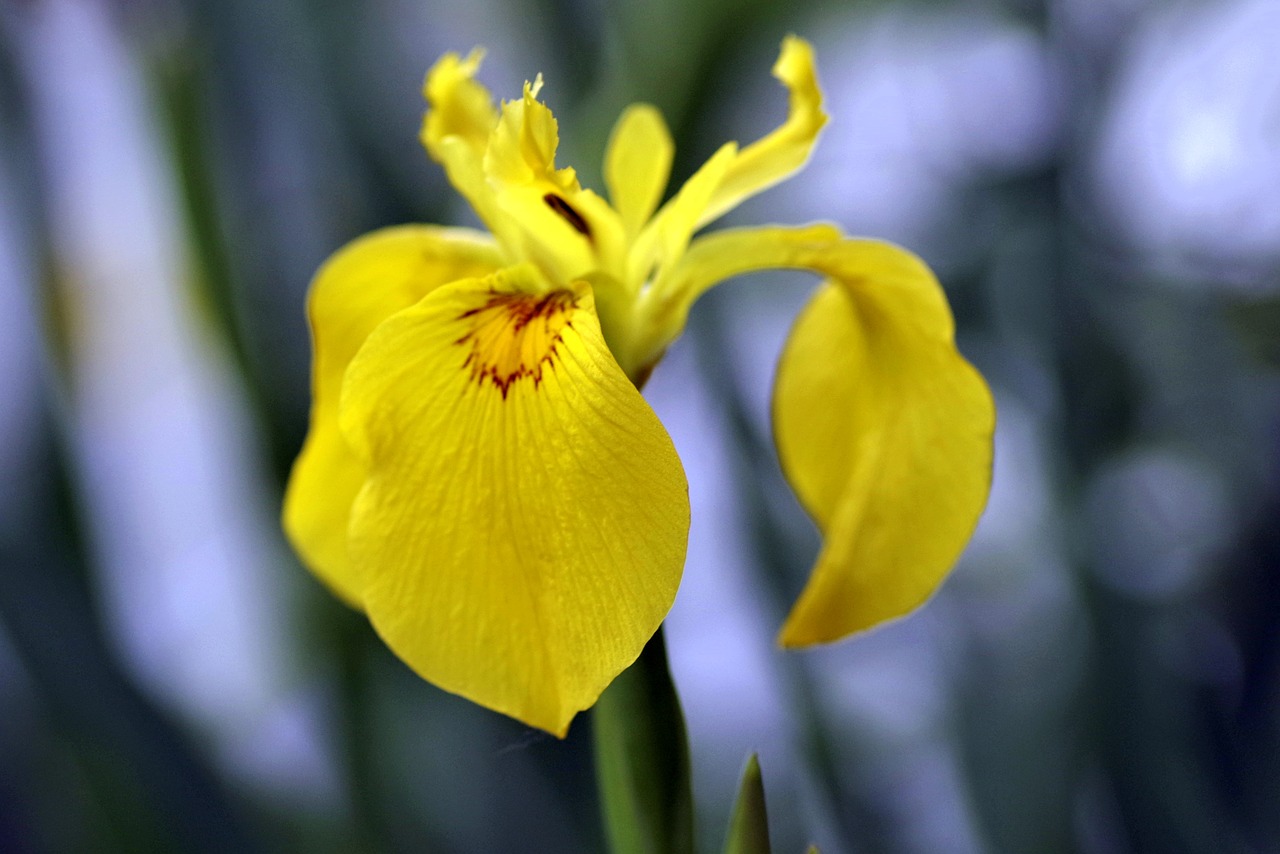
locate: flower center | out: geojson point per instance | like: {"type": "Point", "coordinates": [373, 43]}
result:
{"type": "Point", "coordinates": [513, 336]}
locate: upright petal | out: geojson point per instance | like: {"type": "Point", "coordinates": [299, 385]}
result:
{"type": "Point", "coordinates": [663, 241]}
{"type": "Point", "coordinates": [774, 157]}
{"type": "Point", "coordinates": [523, 527]}
{"type": "Point", "coordinates": [637, 164]}
{"type": "Point", "coordinates": [460, 107]}
{"type": "Point", "coordinates": [885, 431]}
{"type": "Point", "coordinates": [566, 230]}
{"type": "Point", "coordinates": [732, 175]}
{"type": "Point", "coordinates": [360, 286]}
{"type": "Point", "coordinates": [456, 129]}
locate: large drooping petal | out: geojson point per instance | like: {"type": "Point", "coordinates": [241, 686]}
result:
{"type": "Point", "coordinates": [885, 431]}
{"type": "Point", "coordinates": [522, 529]}
{"type": "Point", "coordinates": [360, 286]}
{"type": "Point", "coordinates": [883, 428]}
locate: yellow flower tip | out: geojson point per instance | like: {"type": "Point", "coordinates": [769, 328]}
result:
{"type": "Point", "coordinates": [779, 154]}
{"type": "Point", "coordinates": [823, 619]}
{"type": "Point", "coordinates": [450, 70]}
{"type": "Point", "coordinates": [795, 60]}
{"type": "Point", "coordinates": [521, 151]}
{"type": "Point", "coordinates": [458, 106]}
{"type": "Point", "coordinates": [796, 638]}
{"type": "Point", "coordinates": [797, 69]}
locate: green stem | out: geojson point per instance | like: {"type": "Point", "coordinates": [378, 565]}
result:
{"type": "Point", "coordinates": [642, 759]}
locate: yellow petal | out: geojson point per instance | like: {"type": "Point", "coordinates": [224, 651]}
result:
{"type": "Point", "coordinates": [710, 260]}
{"type": "Point", "coordinates": [547, 217]}
{"type": "Point", "coordinates": [457, 127]}
{"type": "Point", "coordinates": [522, 149]}
{"type": "Point", "coordinates": [883, 428]}
{"type": "Point", "coordinates": [637, 164]}
{"type": "Point", "coordinates": [522, 531]}
{"type": "Point", "coordinates": [459, 106]}
{"type": "Point", "coordinates": [776, 156]}
{"type": "Point", "coordinates": [667, 235]}
{"type": "Point", "coordinates": [361, 285]}
{"type": "Point", "coordinates": [732, 175]}
{"type": "Point", "coordinates": [885, 431]}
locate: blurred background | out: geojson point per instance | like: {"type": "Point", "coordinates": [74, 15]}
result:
{"type": "Point", "coordinates": [1097, 183]}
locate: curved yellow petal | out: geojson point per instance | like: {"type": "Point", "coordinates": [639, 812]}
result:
{"type": "Point", "coordinates": [710, 260]}
{"type": "Point", "coordinates": [774, 157]}
{"type": "Point", "coordinates": [456, 130]}
{"type": "Point", "coordinates": [547, 217]}
{"type": "Point", "coordinates": [459, 106]}
{"type": "Point", "coordinates": [637, 164]}
{"type": "Point", "coordinates": [883, 428]}
{"type": "Point", "coordinates": [885, 431]}
{"type": "Point", "coordinates": [664, 240]}
{"type": "Point", "coordinates": [522, 149]}
{"type": "Point", "coordinates": [360, 286]}
{"type": "Point", "coordinates": [522, 531]}
{"type": "Point", "coordinates": [732, 175]}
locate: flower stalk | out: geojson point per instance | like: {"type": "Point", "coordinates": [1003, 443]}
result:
{"type": "Point", "coordinates": [642, 759]}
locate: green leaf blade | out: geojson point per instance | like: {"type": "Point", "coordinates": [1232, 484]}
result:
{"type": "Point", "coordinates": [749, 825]}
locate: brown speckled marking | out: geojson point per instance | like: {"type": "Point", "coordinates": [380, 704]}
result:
{"type": "Point", "coordinates": [498, 335]}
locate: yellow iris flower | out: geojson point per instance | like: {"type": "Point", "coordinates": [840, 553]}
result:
{"type": "Point", "coordinates": [482, 476]}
